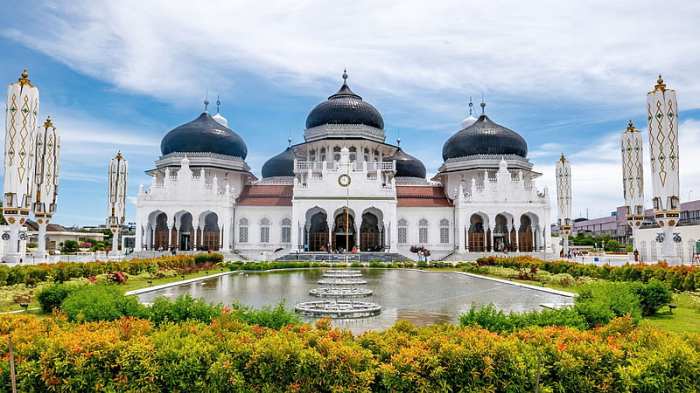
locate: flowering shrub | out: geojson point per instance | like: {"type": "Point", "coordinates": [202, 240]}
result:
{"type": "Point", "coordinates": [683, 278]}
{"type": "Point", "coordinates": [64, 271]}
{"type": "Point", "coordinates": [226, 355]}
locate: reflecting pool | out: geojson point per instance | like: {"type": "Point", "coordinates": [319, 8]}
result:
{"type": "Point", "coordinates": [420, 297]}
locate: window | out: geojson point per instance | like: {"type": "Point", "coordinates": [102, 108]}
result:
{"type": "Point", "coordinates": [353, 153]}
{"type": "Point", "coordinates": [444, 231]}
{"type": "Point", "coordinates": [264, 230]}
{"type": "Point", "coordinates": [423, 231]}
{"type": "Point", "coordinates": [243, 230]}
{"type": "Point", "coordinates": [403, 231]}
{"type": "Point", "coordinates": [312, 155]}
{"type": "Point", "coordinates": [286, 230]}
{"type": "Point", "coordinates": [323, 154]}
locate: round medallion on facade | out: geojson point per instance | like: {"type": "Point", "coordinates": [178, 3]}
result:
{"type": "Point", "coordinates": [344, 180]}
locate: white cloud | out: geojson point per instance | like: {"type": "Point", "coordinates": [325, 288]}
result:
{"type": "Point", "coordinates": [597, 51]}
{"type": "Point", "coordinates": [596, 172]}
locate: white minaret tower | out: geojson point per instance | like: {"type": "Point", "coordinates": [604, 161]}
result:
{"type": "Point", "coordinates": [46, 165]}
{"type": "Point", "coordinates": [662, 115]}
{"type": "Point", "coordinates": [20, 130]}
{"type": "Point", "coordinates": [563, 173]}
{"type": "Point", "coordinates": [633, 178]}
{"type": "Point", "coordinates": [118, 170]}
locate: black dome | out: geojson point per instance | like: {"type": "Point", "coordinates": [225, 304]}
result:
{"type": "Point", "coordinates": [484, 137]}
{"type": "Point", "coordinates": [407, 165]}
{"type": "Point", "coordinates": [345, 107]}
{"type": "Point", "coordinates": [280, 165]}
{"type": "Point", "coordinates": [204, 134]}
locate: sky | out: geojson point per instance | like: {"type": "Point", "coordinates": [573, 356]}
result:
{"type": "Point", "coordinates": [567, 76]}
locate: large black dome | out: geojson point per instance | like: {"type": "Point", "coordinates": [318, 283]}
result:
{"type": "Point", "coordinates": [484, 137]}
{"type": "Point", "coordinates": [204, 134]}
{"type": "Point", "coordinates": [345, 107]}
{"type": "Point", "coordinates": [280, 165]}
{"type": "Point", "coordinates": [407, 165]}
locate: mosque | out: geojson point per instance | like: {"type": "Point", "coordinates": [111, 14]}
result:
{"type": "Point", "coordinates": [343, 189]}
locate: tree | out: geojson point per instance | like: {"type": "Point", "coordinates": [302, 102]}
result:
{"type": "Point", "coordinates": [69, 247]}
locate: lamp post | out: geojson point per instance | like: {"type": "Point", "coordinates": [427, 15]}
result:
{"type": "Point", "coordinates": [662, 117]}
{"type": "Point", "coordinates": [118, 170]}
{"type": "Point", "coordinates": [48, 146]}
{"type": "Point", "coordinates": [563, 174]}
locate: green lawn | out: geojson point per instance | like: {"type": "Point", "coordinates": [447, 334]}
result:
{"type": "Point", "coordinates": [685, 318]}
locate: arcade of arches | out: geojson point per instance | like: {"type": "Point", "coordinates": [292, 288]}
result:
{"type": "Point", "coordinates": [343, 233]}
{"type": "Point", "coordinates": [178, 232]}
{"type": "Point", "coordinates": [504, 235]}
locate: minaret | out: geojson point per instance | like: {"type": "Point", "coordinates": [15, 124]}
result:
{"type": "Point", "coordinates": [662, 115]}
{"type": "Point", "coordinates": [632, 149]}
{"type": "Point", "coordinates": [118, 171]}
{"type": "Point", "coordinates": [48, 146]}
{"type": "Point", "coordinates": [563, 173]}
{"type": "Point", "coordinates": [20, 130]}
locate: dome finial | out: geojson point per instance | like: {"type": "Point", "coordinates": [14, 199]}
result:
{"type": "Point", "coordinates": [289, 141]}
{"type": "Point", "coordinates": [48, 123]}
{"type": "Point", "coordinates": [483, 107]}
{"type": "Point", "coordinates": [660, 85]}
{"type": "Point", "coordinates": [24, 78]}
{"type": "Point", "coordinates": [218, 104]}
{"type": "Point", "coordinates": [630, 126]}
{"type": "Point", "coordinates": [398, 141]}
{"type": "Point", "coordinates": [206, 103]}
{"type": "Point", "coordinates": [471, 106]}
{"type": "Point", "coordinates": [562, 158]}
{"type": "Point", "coordinates": [345, 76]}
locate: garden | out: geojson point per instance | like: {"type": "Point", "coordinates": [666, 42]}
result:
{"type": "Point", "coordinates": [86, 335]}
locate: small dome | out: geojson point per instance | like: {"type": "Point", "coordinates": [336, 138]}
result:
{"type": "Point", "coordinates": [280, 165]}
{"type": "Point", "coordinates": [469, 120]}
{"type": "Point", "coordinates": [204, 134]}
{"type": "Point", "coordinates": [484, 137]}
{"type": "Point", "coordinates": [345, 107]}
{"type": "Point", "coordinates": [220, 119]}
{"type": "Point", "coordinates": [407, 165]}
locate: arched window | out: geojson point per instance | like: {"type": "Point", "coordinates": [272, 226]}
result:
{"type": "Point", "coordinates": [444, 231]}
{"type": "Point", "coordinates": [336, 153]}
{"type": "Point", "coordinates": [286, 230]}
{"type": "Point", "coordinates": [243, 230]}
{"type": "Point", "coordinates": [312, 155]}
{"type": "Point", "coordinates": [423, 231]}
{"type": "Point", "coordinates": [403, 231]}
{"type": "Point", "coordinates": [323, 154]}
{"type": "Point", "coordinates": [366, 154]}
{"type": "Point", "coordinates": [264, 230]}
{"type": "Point", "coordinates": [353, 153]}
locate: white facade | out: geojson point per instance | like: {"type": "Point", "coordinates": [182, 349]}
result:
{"type": "Point", "coordinates": [343, 188]}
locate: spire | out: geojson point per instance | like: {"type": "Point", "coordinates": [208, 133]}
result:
{"type": "Point", "coordinates": [289, 141]}
{"type": "Point", "coordinates": [471, 106]}
{"type": "Point", "coordinates": [24, 78]}
{"type": "Point", "coordinates": [483, 107]}
{"type": "Point", "coordinates": [218, 104]}
{"type": "Point", "coordinates": [119, 155]}
{"type": "Point", "coordinates": [345, 77]}
{"type": "Point", "coordinates": [398, 141]}
{"type": "Point", "coordinates": [562, 158]}
{"type": "Point", "coordinates": [344, 89]}
{"type": "Point", "coordinates": [206, 103]}
{"type": "Point", "coordinates": [630, 127]}
{"type": "Point", "coordinates": [660, 85]}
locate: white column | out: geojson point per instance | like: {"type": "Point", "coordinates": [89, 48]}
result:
{"type": "Point", "coordinates": [170, 236]}
{"type": "Point", "coordinates": [152, 245]}
{"type": "Point", "coordinates": [459, 232]}
{"type": "Point", "coordinates": [196, 231]}
{"type": "Point", "coordinates": [115, 240]}
{"type": "Point", "coordinates": [41, 244]}
{"type": "Point", "coordinates": [227, 234]}
{"type": "Point", "coordinates": [493, 246]}
{"type": "Point", "coordinates": [139, 236]}
{"type": "Point", "coordinates": [517, 238]}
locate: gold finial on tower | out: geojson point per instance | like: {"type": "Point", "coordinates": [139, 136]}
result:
{"type": "Point", "coordinates": [119, 156]}
{"type": "Point", "coordinates": [24, 78]}
{"type": "Point", "coordinates": [660, 85]}
{"type": "Point", "coordinates": [562, 158]}
{"type": "Point", "coordinates": [630, 127]}
{"type": "Point", "coordinates": [48, 123]}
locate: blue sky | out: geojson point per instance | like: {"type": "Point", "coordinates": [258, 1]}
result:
{"type": "Point", "coordinates": [119, 75]}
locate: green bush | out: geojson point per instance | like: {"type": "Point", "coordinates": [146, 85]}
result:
{"type": "Point", "coordinates": [488, 317]}
{"type": "Point", "coordinates": [51, 297]}
{"type": "Point", "coordinates": [601, 302]}
{"type": "Point", "coordinates": [652, 296]}
{"type": "Point", "coordinates": [271, 317]}
{"type": "Point", "coordinates": [100, 303]}
{"type": "Point", "coordinates": [70, 247]}
{"type": "Point", "coordinates": [183, 308]}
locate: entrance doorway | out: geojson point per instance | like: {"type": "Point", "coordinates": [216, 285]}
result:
{"type": "Point", "coordinates": [318, 232]}
{"type": "Point", "coordinates": [344, 231]}
{"type": "Point", "coordinates": [370, 235]}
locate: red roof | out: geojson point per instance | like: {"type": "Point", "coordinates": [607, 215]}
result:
{"type": "Point", "coordinates": [266, 195]}
{"type": "Point", "coordinates": [421, 196]}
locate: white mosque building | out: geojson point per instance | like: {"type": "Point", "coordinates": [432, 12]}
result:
{"type": "Point", "coordinates": [343, 188]}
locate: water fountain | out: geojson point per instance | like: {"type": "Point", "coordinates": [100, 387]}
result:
{"type": "Point", "coordinates": [341, 290]}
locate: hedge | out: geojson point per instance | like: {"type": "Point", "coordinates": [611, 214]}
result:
{"type": "Point", "coordinates": [677, 277]}
{"type": "Point", "coordinates": [64, 271]}
{"type": "Point", "coordinates": [227, 355]}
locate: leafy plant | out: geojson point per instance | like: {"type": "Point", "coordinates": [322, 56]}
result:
{"type": "Point", "coordinates": [100, 303]}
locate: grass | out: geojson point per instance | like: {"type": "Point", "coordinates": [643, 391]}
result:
{"type": "Point", "coordinates": [684, 319]}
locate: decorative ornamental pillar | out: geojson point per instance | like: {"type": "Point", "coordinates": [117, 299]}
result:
{"type": "Point", "coordinates": [563, 173]}
{"type": "Point", "coordinates": [118, 171]}
{"type": "Point", "coordinates": [662, 115]}
{"type": "Point", "coordinates": [46, 165]}
{"type": "Point", "coordinates": [633, 178]}
{"type": "Point", "coordinates": [20, 131]}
